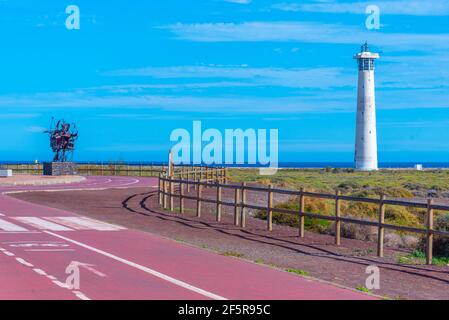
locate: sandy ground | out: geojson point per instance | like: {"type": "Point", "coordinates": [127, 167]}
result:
{"type": "Point", "coordinates": [35, 180]}
{"type": "Point", "coordinates": [346, 265]}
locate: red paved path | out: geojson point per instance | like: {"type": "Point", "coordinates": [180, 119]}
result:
{"type": "Point", "coordinates": [128, 264]}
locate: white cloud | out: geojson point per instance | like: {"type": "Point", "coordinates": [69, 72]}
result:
{"type": "Point", "coordinates": [293, 77]}
{"type": "Point", "coordinates": [310, 32]}
{"type": "Point", "coordinates": [10, 116]}
{"type": "Point", "coordinates": [239, 1]}
{"type": "Point", "coordinates": [36, 129]}
{"type": "Point", "coordinates": [228, 104]}
{"type": "Point", "coordinates": [396, 7]}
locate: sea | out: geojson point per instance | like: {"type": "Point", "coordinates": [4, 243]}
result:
{"type": "Point", "coordinates": [286, 165]}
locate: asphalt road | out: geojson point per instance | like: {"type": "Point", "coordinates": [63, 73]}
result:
{"type": "Point", "coordinates": [47, 253]}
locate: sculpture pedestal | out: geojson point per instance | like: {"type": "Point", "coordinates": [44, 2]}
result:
{"type": "Point", "coordinates": [60, 169]}
{"type": "Point", "coordinates": [5, 173]}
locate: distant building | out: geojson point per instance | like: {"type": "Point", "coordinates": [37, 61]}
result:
{"type": "Point", "coordinates": [419, 167]}
{"type": "Point", "coordinates": [366, 135]}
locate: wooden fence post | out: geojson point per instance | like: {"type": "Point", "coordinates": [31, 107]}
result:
{"type": "Point", "coordinates": [165, 193]}
{"type": "Point", "coordinates": [236, 206]}
{"type": "Point", "coordinates": [381, 230]}
{"type": "Point", "coordinates": [195, 178]}
{"type": "Point", "coordinates": [243, 211]}
{"type": "Point", "coordinates": [172, 190]}
{"type": "Point", "coordinates": [269, 209]}
{"type": "Point", "coordinates": [188, 179]}
{"type": "Point", "coordinates": [218, 201]}
{"type": "Point", "coordinates": [337, 219]}
{"type": "Point", "coordinates": [181, 196]}
{"type": "Point", "coordinates": [159, 190]}
{"type": "Point", "coordinates": [301, 213]}
{"type": "Point", "coordinates": [198, 198]}
{"type": "Point", "coordinates": [429, 247]}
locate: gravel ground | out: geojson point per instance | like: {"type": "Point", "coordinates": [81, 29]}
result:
{"type": "Point", "coordinates": [316, 254]}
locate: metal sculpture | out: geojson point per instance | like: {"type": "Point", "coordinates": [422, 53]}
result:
{"type": "Point", "coordinates": [62, 139]}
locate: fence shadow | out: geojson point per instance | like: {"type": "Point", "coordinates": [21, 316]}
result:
{"type": "Point", "coordinates": [257, 237]}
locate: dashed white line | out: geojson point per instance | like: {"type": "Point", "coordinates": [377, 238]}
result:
{"type": "Point", "coordinates": [25, 263]}
{"type": "Point", "coordinates": [40, 272]}
{"type": "Point", "coordinates": [9, 254]}
{"type": "Point", "coordinates": [80, 295]}
{"type": "Point", "coordinates": [142, 268]}
{"type": "Point", "coordinates": [60, 284]}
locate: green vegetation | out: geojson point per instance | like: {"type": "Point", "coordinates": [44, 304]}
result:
{"type": "Point", "coordinates": [395, 183]}
{"type": "Point", "coordinates": [363, 289]}
{"type": "Point", "coordinates": [418, 257]}
{"type": "Point", "coordinates": [299, 272]}
{"type": "Point", "coordinates": [232, 254]}
{"type": "Point", "coordinates": [392, 183]}
{"type": "Point", "coordinates": [312, 205]}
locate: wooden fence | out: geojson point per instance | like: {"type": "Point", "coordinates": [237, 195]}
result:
{"type": "Point", "coordinates": [100, 169]}
{"type": "Point", "coordinates": [120, 169]}
{"type": "Point", "coordinates": [216, 179]}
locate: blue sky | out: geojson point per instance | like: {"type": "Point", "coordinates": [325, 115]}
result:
{"type": "Point", "coordinates": [136, 70]}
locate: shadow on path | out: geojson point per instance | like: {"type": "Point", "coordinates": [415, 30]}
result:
{"type": "Point", "coordinates": [231, 230]}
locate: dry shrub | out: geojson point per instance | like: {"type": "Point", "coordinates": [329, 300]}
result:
{"type": "Point", "coordinates": [312, 205]}
{"type": "Point", "coordinates": [355, 231]}
{"type": "Point", "coordinates": [360, 209]}
{"type": "Point", "coordinates": [410, 242]}
{"type": "Point", "coordinates": [440, 244]}
{"type": "Point", "coordinates": [318, 206]}
{"type": "Point", "coordinates": [401, 216]}
{"type": "Point", "coordinates": [396, 192]}
{"type": "Point", "coordinates": [393, 240]}
{"type": "Point", "coordinates": [264, 181]}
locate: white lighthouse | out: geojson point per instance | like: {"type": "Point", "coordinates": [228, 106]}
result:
{"type": "Point", "coordinates": [366, 136]}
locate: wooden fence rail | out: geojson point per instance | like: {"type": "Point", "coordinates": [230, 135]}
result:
{"type": "Point", "coordinates": [218, 180]}
{"type": "Point", "coordinates": [124, 169]}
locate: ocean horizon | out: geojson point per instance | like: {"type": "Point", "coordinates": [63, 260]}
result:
{"type": "Point", "coordinates": [284, 165]}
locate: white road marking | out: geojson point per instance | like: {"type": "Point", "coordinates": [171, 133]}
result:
{"type": "Point", "coordinates": [8, 226]}
{"type": "Point", "coordinates": [37, 242]}
{"type": "Point", "coordinates": [22, 261]}
{"type": "Point", "coordinates": [83, 223]}
{"type": "Point", "coordinates": [80, 295]}
{"type": "Point", "coordinates": [60, 284]}
{"type": "Point", "coordinates": [130, 183]}
{"type": "Point", "coordinates": [40, 272]}
{"type": "Point", "coordinates": [42, 224]}
{"type": "Point", "coordinates": [9, 254]}
{"type": "Point", "coordinates": [49, 250]}
{"type": "Point", "coordinates": [19, 232]}
{"type": "Point", "coordinates": [142, 268]}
